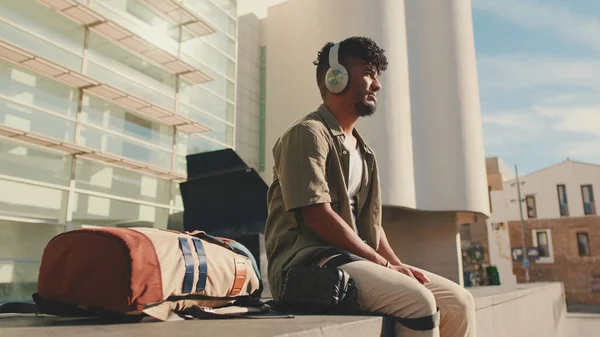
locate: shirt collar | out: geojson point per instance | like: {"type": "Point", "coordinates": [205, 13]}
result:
{"type": "Point", "coordinates": [336, 129]}
{"type": "Point", "coordinates": [330, 120]}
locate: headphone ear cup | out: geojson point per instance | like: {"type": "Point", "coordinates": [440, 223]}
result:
{"type": "Point", "coordinates": [336, 79]}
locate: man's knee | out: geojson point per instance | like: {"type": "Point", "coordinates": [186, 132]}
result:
{"type": "Point", "coordinates": [423, 314]}
{"type": "Point", "coordinates": [465, 303]}
{"type": "Point", "coordinates": [422, 304]}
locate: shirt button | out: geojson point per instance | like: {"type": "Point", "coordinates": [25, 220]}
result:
{"type": "Point", "coordinates": [345, 152]}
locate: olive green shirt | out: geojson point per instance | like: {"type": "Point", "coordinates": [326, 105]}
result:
{"type": "Point", "coordinates": [311, 166]}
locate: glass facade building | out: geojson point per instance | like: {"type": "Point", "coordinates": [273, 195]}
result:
{"type": "Point", "coordinates": [100, 102]}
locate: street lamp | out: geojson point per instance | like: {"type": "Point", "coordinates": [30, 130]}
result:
{"type": "Point", "coordinates": [525, 256]}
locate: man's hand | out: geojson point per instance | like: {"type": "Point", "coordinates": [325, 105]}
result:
{"type": "Point", "coordinates": [411, 272]}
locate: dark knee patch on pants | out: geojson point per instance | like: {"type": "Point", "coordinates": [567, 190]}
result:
{"type": "Point", "coordinates": [421, 323]}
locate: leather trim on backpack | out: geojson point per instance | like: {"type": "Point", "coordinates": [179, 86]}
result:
{"type": "Point", "coordinates": [240, 276]}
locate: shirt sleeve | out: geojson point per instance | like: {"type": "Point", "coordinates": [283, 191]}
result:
{"type": "Point", "coordinates": [301, 168]}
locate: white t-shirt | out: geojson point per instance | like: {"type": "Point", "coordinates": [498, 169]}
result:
{"type": "Point", "coordinates": [354, 178]}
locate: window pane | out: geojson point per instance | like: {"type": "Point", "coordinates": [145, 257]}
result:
{"type": "Point", "coordinates": [562, 200]}
{"type": "Point", "coordinates": [542, 241]}
{"type": "Point", "coordinates": [181, 164]}
{"type": "Point", "coordinates": [228, 6]}
{"type": "Point", "coordinates": [587, 195]}
{"type": "Point", "coordinates": [178, 200]}
{"type": "Point", "coordinates": [220, 130]}
{"type": "Point", "coordinates": [190, 144]}
{"type": "Point", "coordinates": [33, 163]}
{"type": "Point", "coordinates": [25, 241]}
{"type": "Point", "coordinates": [531, 209]}
{"type": "Point", "coordinates": [210, 57]}
{"type": "Point", "coordinates": [109, 143]}
{"type": "Point", "coordinates": [136, 17]}
{"type": "Point", "coordinates": [207, 10]}
{"type": "Point", "coordinates": [97, 177]}
{"type": "Point", "coordinates": [589, 206]}
{"type": "Point", "coordinates": [21, 248]}
{"type": "Point", "coordinates": [23, 86]}
{"type": "Point", "coordinates": [31, 120]}
{"type": "Point", "coordinates": [92, 210]}
{"type": "Point", "coordinates": [583, 244]}
{"type": "Point", "coordinates": [219, 85]}
{"type": "Point", "coordinates": [18, 279]}
{"type": "Point", "coordinates": [222, 42]}
{"type": "Point", "coordinates": [104, 114]}
{"type": "Point", "coordinates": [66, 36]}
{"type": "Point", "coordinates": [29, 201]}
{"type": "Point", "coordinates": [196, 96]}
{"type": "Point", "coordinates": [115, 66]}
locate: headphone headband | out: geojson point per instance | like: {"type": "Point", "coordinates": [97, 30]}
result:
{"type": "Point", "coordinates": [333, 56]}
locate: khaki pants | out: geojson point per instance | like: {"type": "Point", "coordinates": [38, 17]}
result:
{"type": "Point", "coordinates": [389, 292]}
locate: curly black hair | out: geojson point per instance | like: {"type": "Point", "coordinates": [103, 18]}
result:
{"type": "Point", "coordinates": [360, 47]}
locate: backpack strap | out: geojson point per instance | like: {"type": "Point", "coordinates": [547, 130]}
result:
{"type": "Point", "coordinates": [421, 323]}
{"type": "Point", "coordinates": [235, 247]}
{"type": "Point", "coordinates": [19, 308]}
{"type": "Point", "coordinates": [240, 277]}
{"type": "Point", "coordinates": [342, 259]}
{"type": "Point", "coordinates": [263, 312]}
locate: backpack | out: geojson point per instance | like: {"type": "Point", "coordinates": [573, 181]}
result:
{"type": "Point", "coordinates": [126, 274]}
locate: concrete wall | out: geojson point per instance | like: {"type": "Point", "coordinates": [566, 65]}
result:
{"type": "Point", "coordinates": [499, 249]}
{"type": "Point", "coordinates": [497, 230]}
{"type": "Point", "coordinates": [426, 240]}
{"type": "Point", "coordinates": [525, 311]}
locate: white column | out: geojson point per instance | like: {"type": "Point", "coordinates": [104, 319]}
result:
{"type": "Point", "coordinates": [389, 130]}
{"type": "Point", "coordinates": [450, 173]}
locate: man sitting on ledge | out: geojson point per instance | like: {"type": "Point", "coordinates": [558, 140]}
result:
{"type": "Point", "coordinates": [325, 193]}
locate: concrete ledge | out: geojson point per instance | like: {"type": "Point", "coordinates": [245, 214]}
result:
{"type": "Point", "coordinates": [536, 309]}
{"type": "Point", "coordinates": [582, 325]}
{"type": "Point", "coordinates": [326, 326]}
{"type": "Point", "coordinates": [521, 311]}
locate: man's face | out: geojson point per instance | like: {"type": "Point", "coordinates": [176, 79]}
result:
{"type": "Point", "coordinates": [363, 87]}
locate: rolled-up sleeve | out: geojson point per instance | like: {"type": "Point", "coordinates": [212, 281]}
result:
{"type": "Point", "coordinates": [301, 166]}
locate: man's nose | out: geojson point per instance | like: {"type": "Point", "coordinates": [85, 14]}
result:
{"type": "Point", "coordinates": [376, 85]}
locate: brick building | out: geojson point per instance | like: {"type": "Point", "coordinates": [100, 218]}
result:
{"type": "Point", "coordinates": [560, 219]}
{"type": "Point", "coordinates": [568, 258]}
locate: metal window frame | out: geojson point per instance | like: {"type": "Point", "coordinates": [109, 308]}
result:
{"type": "Point", "coordinates": [88, 17]}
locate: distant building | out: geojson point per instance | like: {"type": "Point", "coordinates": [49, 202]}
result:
{"type": "Point", "coordinates": [100, 102]}
{"type": "Point", "coordinates": [561, 220]}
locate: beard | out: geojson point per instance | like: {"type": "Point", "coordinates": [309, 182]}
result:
{"type": "Point", "coordinates": [366, 108]}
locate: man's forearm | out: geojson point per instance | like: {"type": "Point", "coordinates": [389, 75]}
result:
{"type": "Point", "coordinates": [332, 229]}
{"type": "Point", "coordinates": [386, 250]}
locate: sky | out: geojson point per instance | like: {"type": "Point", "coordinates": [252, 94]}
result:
{"type": "Point", "coordinates": [538, 65]}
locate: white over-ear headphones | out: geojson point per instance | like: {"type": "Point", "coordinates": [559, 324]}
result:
{"type": "Point", "coordinates": [336, 78]}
